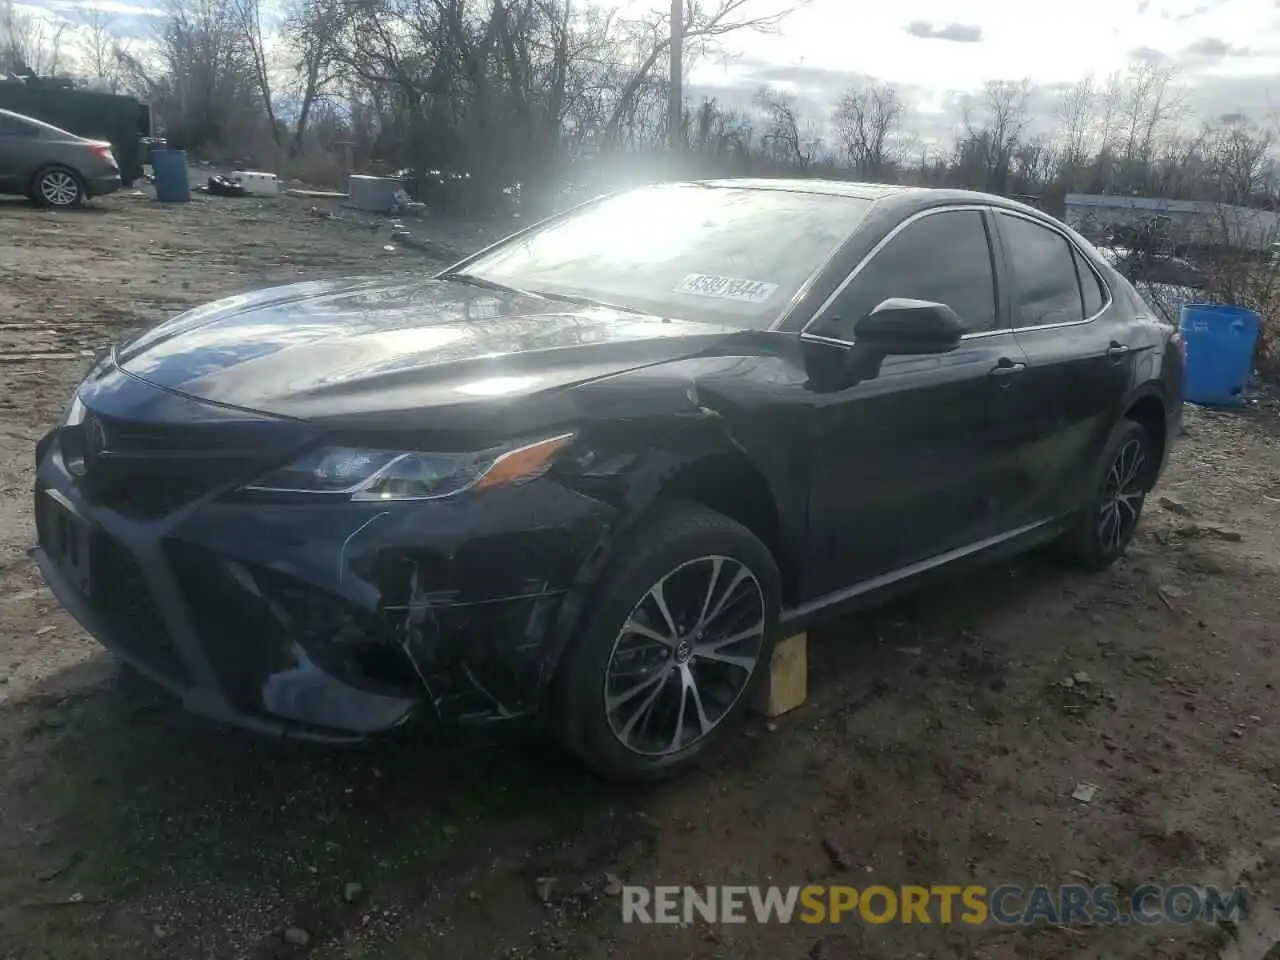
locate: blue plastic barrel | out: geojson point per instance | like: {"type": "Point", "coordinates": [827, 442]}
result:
{"type": "Point", "coordinates": [172, 183]}
{"type": "Point", "coordinates": [1220, 342]}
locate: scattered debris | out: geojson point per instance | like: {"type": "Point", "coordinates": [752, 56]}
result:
{"type": "Point", "coordinates": [58, 869]}
{"type": "Point", "coordinates": [1173, 506]}
{"type": "Point", "coordinates": [1223, 533]}
{"type": "Point", "coordinates": [223, 187]}
{"type": "Point", "coordinates": [317, 194]}
{"type": "Point", "coordinates": [835, 855]}
{"type": "Point", "coordinates": [352, 891]}
{"type": "Point", "coordinates": [545, 886]}
{"type": "Point", "coordinates": [1192, 530]}
{"type": "Point", "coordinates": [75, 900]}
{"type": "Point", "coordinates": [911, 651]}
{"type": "Point", "coordinates": [1084, 792]}
{"type": "Point", "coordinates": [612, 885]}
{"type": "Point", "coordinates": [297, 937]}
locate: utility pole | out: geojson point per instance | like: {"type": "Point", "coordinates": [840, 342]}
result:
{"type": "Point", "coordinates": [675, 95]}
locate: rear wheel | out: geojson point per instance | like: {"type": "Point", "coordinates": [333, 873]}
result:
{"type": "Point", "coordinates": [57, 187]}
{"type": "Point", "coordinates": [673, 648]}
{"type": "Point", "coordinates": [1125, 474]}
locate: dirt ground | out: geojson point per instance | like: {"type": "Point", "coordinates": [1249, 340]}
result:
{"type": "Point", "coordinates": [942, 741]}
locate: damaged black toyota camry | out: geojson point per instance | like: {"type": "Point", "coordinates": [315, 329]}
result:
{"type": "Point", "coordinates": [591, 473]}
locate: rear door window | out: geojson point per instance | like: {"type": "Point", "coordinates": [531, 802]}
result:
{"type": "Point", "coordinates": [12, 127]}
{"type": "Point", "coordinates": [1045, 287]}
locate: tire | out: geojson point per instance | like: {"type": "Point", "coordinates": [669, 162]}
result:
{"type": "Point", "coordinates": [687, 693]}
{"type": "Point", "coordinates": [1119, 490]}
{"type": "Point", "coordinates": [57, 187]}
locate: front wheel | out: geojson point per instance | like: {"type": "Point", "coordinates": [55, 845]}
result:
{"type": "Point", "coordinates": [671, 652]}
{"type": "Point", "coordinates": [1126, 471]}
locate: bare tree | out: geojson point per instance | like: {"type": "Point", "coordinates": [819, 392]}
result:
{"type": "Point", "coordinates": [249, 15]}
{"type": "Point", "coordinates": [314, 31]}
{"type": "Point", "coordinates": [784, 137]}
{"type": "Point", "coordinates": [1241, 157]}
{"type": "Point", "coordinates": [1149, 102]}
{"type": "Point", "coordinates": [1076, 114]}
{"type": "Point", "coordinates": [96, 44]}
{"type": "Point", "coordinates": [200, 77]}
{"type": "Point", "coordinates": [866, 123]}
{"type": "Point", "coordinates": [30, 41]}
{"type": "Point", "coordinates": [993, 125]}
{"type": "Point", "coordinates": [702, 26]}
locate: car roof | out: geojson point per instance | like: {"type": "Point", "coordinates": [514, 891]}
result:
{"type": "Point", "coordinates": [48, 127]}
{"type": "Point", "coordinates": [907, 198]}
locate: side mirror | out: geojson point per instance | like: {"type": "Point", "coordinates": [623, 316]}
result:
{"type": "Point", "coordinates": [903, 326]}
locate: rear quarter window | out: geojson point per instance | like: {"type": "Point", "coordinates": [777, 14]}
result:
{"type": "Point", "coordinates": [1095, 296]}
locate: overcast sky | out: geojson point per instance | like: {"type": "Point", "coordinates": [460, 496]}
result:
{"type": "Point", "coordinates": [1227, 51]}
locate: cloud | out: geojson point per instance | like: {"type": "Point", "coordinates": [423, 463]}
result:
{"type": "Point", "coordinates": [1215, 47]}
{"type": "Point", "coordinates": [1146, 54]}
{"type": "Point", "coordinates": [955, 32]}
{"type": "Point", "coordinates": [1177, 16]}
{"type": "Point", "coordinates": [68, 9]}
{"type": "Point", "coordinates": [933, 116]}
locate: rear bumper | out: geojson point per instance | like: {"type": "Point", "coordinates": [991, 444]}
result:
{"type": "Point", "coordinates": [98, 186]}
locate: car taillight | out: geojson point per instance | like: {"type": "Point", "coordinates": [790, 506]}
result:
{"type": "Point", "coordinates": [104, 151]}
{"type": "Point", "coordinates": [1179, 344]}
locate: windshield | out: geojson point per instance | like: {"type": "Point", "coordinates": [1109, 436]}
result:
{"type": "Point", "coordinates": [725, 255]}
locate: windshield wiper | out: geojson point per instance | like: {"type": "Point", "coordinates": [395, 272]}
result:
{"type": "Point", "coordinates": [585, 301]}
{"type": "Point", "coordinates": [487, 284]}
{"type": "Point", "coordinates": [475, 281]}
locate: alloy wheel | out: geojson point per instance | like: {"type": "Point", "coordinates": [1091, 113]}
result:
{"type": "Point", "coordinates": [1122, 496]}
{"type": "Point", "coordinates": [59, 188]}
{"type": "Point", "coordinates": [685, 655]}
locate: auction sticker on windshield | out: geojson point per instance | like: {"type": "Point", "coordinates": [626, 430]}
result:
{"type": "Point", "coordinates": [726, 288]}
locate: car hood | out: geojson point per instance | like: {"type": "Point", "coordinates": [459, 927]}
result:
{"type": "Point", "coordinates": [356, 349]}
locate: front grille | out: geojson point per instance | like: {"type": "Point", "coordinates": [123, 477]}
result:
{"type": "Point", "coordinates": [122, 599]}
{"type": "Point", "coordinates": [147, 498]}
{"type": "Point", "coordinates": [147, 471]}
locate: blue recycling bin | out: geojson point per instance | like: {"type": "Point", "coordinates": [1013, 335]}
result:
{"type": "Point", "coordinates": [173, 185]}
{"type": "Point", "coordinates": [1219, 341]}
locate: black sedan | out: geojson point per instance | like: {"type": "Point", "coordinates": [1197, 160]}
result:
{"type": "Point", "coordinates": [594, 471]}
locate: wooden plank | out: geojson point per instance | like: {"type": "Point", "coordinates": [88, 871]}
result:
{"type": "Point", "coordinates": [786, 686]}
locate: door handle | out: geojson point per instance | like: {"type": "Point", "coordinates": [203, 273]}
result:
{"type": "Point", "coordinates": [1117, 349]}
{"type": "Point", "coordinates": [1007, 368]}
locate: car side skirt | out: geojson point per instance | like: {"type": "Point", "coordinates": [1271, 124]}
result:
{"type": "Point", "coordinates": [877, 589]}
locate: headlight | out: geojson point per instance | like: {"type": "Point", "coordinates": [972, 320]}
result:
{"type": "Point", "coordinates": [74, 414]}
{"type": "Point", "coordinates": [362, 474]}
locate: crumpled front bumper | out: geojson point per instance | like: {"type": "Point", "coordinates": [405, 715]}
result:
{"type": "Point", "coordinates": [330, 622]}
